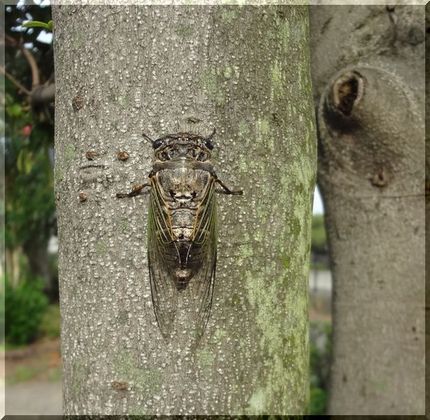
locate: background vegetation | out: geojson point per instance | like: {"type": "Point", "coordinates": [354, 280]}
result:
{"type": "Point", "coordinates": [30, 281]}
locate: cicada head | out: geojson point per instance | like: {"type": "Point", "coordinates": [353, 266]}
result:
{"type": "Point", "coordinates": [183, 145]}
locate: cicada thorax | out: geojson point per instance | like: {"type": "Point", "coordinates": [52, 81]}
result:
{"type": "Point", "coordinates": [185, 193]}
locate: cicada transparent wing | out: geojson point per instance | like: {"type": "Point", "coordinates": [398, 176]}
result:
{"type": "Point", "coordinates": [201, 286]}
{"type": "Point", "coordinates": [173, 302]}
{"type": "Point", "coordinates": [163, 291]}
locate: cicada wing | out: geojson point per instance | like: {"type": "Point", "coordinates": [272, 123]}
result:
{"type": "Point", "coordinates": [163, 292]}
{"type": "Point", "coordinates": [201, 290]}
{"type": "Point", "coordinates": [201, 286]}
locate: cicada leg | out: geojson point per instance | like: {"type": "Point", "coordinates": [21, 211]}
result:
{"type": "Point", "coordinates": [226, 190]}
{"type": "Point", "coordinates": [136, 190]}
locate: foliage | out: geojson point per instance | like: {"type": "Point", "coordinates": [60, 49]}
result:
{"type": "Point", "coordinates": [319, 247]}
{"type": "Point", "coordinates": [320, 357]}
{"type": "Point", "coordinates": [18, 36]}
{"type": "Point", "coordinates": [25, 305]}
{"type": "Point", "coordinates": [30, 202]}
{"type": "Point", "coordinates": [30, 207]}
{"type": "Point", "coordinates": [319, 239]}
{"type": "Point", "coordinates": [37, 24]}
{"type": "Point", "coordinates": [23, 374]}
{"type": "Point", "coordinates": [50, 323]}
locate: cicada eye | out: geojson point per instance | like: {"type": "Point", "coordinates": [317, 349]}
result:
{"type": "Point", "coordinates": [157, 143]}
{"type": "Point", "coordinates": [209, 144]}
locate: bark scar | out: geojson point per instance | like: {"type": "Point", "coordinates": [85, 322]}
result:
{"type": "Point", "coordinates": [91, 171]}
{"type": "Point", "coordinates": [119, 385]}
{"type": "Point", "coordinates": [380, 178]}
{"type": "Point", "coordinates": [348, 90]}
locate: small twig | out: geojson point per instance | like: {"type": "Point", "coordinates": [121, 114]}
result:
{"type": "Point", "coordinates": [14, 81]}
{"type": "Point", "coordinates": [33, 65]}
{"type": "Point", "coordinates": [11, 40]}
{"type": "Point", "coordinates": [35, 78]}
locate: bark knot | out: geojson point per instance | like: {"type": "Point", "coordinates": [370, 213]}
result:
{"type": "Point", "coordinates": [119, 385]}
{"type": "Point", "coordinates": [77, 103]}
{"type": "Point", "coordinates": [380, 178]}
{"type": "Point", "coordinates": [347, 91]}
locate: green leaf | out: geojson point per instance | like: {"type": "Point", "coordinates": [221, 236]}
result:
{"type": "Point", "coordinates": [25, 161]}
{"type": "Point", "coordinates": [38, 24]}
{"type": "Point", "coordinates": [14, 110]}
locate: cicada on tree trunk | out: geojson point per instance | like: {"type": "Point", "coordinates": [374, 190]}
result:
{"type": "Point", "coordinates": [182, 233]}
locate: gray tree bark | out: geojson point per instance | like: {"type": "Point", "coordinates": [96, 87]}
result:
{"type": "Point", "coordinates": [121, 71]}
{"type": "Point", "coordinates": [368, 74]}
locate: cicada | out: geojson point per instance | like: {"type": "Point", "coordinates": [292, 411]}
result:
{"type": "Point", "coordinates": [182, 230]}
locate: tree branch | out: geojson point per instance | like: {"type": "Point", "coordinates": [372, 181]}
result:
{"type": "Point", "coordinates": [14, 81]}
{"type": "Point", "coordinates": [43, 94]}
{"type": "Point", "coordinates": [35, 78]}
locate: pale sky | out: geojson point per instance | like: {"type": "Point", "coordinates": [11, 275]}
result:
{"type": "Point", "coordinates": [318, 205]}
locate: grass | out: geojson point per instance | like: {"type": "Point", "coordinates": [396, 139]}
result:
{"type": "Point", "coordinates": [43, 360]}
{"type": "Point", "coordinates": [23, 374]}
{"type": "Point", "coordinates": [320, 354]}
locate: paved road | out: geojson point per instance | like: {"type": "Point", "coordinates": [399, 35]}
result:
{"type": "Point", "coordinates": [34, 398]}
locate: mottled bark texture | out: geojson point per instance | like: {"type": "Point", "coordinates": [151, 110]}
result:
{"type": "Point", "coordinates": [368, 72]}
{"type": "Point", "coordinates": [121, 71]}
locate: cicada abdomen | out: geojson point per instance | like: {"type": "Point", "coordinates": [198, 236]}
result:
{"type": "Point", "coordinates": [182, 235]}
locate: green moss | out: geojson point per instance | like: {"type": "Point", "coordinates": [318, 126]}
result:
{"type": "Point", "coordinates": [228, 15]}
{"type": "Point", "coordinates": [277, 80]}
{"type": "Point", "coordinates": [299, 189]}
{"type": "Point", "coordinates": [263, 127]}
{"type": "Point", "coordinates": [123, 100]}
{"type": "Point", "coordinates": [77, 39]}
{"type": "Point", "coordinates": [80, 373]}
{"type": "Point", "coordinates": [147, 380]}
{"type": "Point", "coordinates": [295, 226]}
{"type": "Point", "coordinates": [184, 31]}
{"type": "Point", "coordinates": [209, 82]}
{"type": "Point", "coordinates": [257, 402]}
{"type": "Point", "coordinates": [69, 154]}
{"type": "Point", "coordinates": [243, 128]}
{"type": "Point", "coordinates": [246, 250]}
{"type": "Point", "coordinates": [205, 360]}
{"type": "Point", "coordinates": [284, 32]}
{"type": "Point", "coordinates": [59, 174]}
{"type": "Point", "coordinates": [220, 333]}
{"type": "Point", "coordinates": [101, 247]}
{"type": "Point", "coordinates": [123, 225]}
{"type": "Point", "coordinates": [228, 72]}
{"type": "Point", "coordinates": [235, 299]}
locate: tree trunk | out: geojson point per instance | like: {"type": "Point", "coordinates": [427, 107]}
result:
{"type": "Point", "coordinates": [12, 268]}
{"type": "Point", "coordinates": [121, 71]}
{"type": "Point", "coordinates": [371, 174]}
